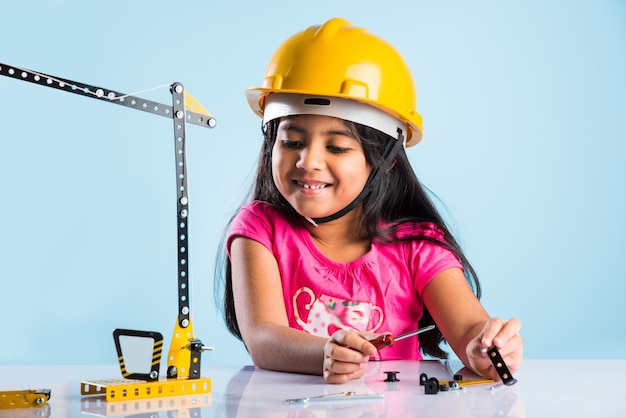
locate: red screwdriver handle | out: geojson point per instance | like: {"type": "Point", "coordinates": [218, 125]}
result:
{"type": "Point", "coordinates": [382, 341]}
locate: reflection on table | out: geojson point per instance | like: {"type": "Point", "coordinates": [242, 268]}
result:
{"type": "Point", "coordinates": [252, 392]}
{"type": "Point", "coordinates": [545, 388]}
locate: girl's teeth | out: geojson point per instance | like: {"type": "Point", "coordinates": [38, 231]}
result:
{"type": "Point", "coordinates": [309, 186]}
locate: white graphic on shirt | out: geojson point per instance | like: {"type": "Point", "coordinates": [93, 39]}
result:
{"type": "Point", "coordinates": [324, 315]}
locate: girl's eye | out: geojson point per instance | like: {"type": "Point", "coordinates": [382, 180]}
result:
{"type": "Point", "coordinates": [290, 144]}
{"type": "Point", "coordinates": [337, 150]}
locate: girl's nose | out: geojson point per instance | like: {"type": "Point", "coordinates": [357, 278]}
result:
{"type": "Point", "coordinates": [310, 159]}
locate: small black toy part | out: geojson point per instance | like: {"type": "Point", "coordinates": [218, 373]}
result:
{"type": "Point", "coordinates": [391, 376]}
{"type": "Point", "coordinates": [432, 386]}
{"type": "Point", "coordinates": [423, 379]}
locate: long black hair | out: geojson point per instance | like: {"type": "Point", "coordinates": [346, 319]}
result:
{"type": "Point", "coordinates": [398, 198]}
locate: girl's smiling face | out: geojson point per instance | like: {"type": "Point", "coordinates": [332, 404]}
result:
{"type": "Point", "coordinates": [318, 165]}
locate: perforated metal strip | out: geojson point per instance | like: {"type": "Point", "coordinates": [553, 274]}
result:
{"type": "Point", "coordinates": [101, 93]}
{"type": "Point", "coordinates": [500, 366]}
{"type": "Point", "coordinates": [24, 398]}
{"type": "Point", "coordinates": [178, 104]}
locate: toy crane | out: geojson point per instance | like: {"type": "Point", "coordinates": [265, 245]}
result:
{"type": "Point", "coordinates": [183, 360]}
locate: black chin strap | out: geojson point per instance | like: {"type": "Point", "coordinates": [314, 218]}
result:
{"type": "Point", "coordinates": [390, 154]}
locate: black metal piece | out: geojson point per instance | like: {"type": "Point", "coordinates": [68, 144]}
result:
{"type": "Point", "coordinates": [182, 204]}
{"type": "Point", "coordinates": [431, 387]}
{"type": "Point", "coordinates": [195, 346]}
{"type": "Point", "coordinates": [101, 93]}
{"type": "Point", "coordinates": [392, 377]}
{"type": "Point", "coordinates": [500, 366]}
{"type": "Point", "coordinates": [423, 379]}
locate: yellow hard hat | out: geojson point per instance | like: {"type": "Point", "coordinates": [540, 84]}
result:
{"type": "Point", "coordinates": [336, 69]}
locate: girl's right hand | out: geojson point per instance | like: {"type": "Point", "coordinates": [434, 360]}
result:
{"type": "Point", "coordinates": [504, 335]}
{"type": "Point", "coordinates": [346, 355]}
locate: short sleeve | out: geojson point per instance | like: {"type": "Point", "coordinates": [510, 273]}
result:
{"type": "Point", "coordinates": [253, 221]}
{"type": "Point", "coordinates": [427, 257]}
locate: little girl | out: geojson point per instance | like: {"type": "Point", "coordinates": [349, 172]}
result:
{"type": "Point", "coordinates": [340, 242]}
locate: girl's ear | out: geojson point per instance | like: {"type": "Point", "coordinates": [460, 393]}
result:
{"type": "Point", "coordinates": [392, 165]}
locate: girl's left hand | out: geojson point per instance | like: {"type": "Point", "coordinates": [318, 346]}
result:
{"type": "Point", "coordinates": [504, 335]}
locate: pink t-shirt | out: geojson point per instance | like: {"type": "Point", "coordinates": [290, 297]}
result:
{"type": "Point", "coordinates": [379, 292]}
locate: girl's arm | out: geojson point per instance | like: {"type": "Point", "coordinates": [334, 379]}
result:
{"type": "Point", "coordinates": [262, 320]}
{"type": "Point", "coordinates": [468, 328]}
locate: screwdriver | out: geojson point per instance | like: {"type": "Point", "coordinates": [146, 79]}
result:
{"type": "Point", "coordinates": [388, 340]}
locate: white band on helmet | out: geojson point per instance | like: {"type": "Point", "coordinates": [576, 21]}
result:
{"type": "Point", "coordinates": [278, 105]}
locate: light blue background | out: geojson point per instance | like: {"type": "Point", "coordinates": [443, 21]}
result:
{"type": "Point", "coordinates": [524, 108]}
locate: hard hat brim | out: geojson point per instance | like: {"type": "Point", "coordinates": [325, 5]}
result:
{"type": "Point", "coordinates": [257, 99]}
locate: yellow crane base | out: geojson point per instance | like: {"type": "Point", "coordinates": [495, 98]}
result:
{"type": "Point", "coordinates": [128, 389]}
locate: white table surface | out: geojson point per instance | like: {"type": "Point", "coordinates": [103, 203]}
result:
{"type": "Point", "coordinates": [545, 388]}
